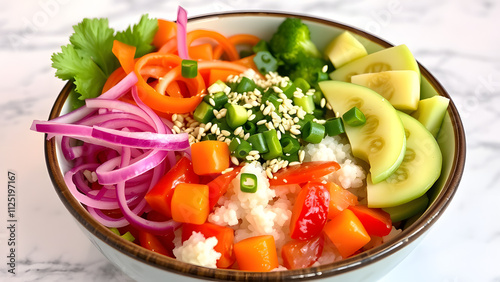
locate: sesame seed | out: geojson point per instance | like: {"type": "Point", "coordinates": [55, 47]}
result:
{"type": "Point", "coordinates": [266, 110]}
{"type": "Point", "coordinates": [249, 158]}
{"type": "Point", "coordinates": [213, 129]}
{"type": "Point", "coordinates": [225, 133]}
{"type": "Point", "coordinates": [294, 131]}
{"type": "Point", "coordinates": [176, 129]}
{"type": "Point", "coordinates": [253, 152]}
{"type": "Point", "coordinates": [323, 102]}
{"type": "Point", "coordinates": [293, 163]}
{"type": "Point", "coordinates": [227, 170]}
{"type": "Point", "coordinates": [238, 130]}
{"type": "Point", "coordinates": [284, 180]}
{"type": "Point", "coordinates": [234, 160]}
{"type": "Point", "coordinates": [251, 117]}
{"type": "Point", "coordinates": [269, 174]}
{"type": "Point", "coordinates": [212, 102]}
{"type": "Point", "coordinates": [174, 117]}
{"type": "Point", "coordinates": [302, 155]}
{"type": "Point", "coordinates": [325, 68]}
{"type": "Point", "coordinates": [246, 136]}
{"type": "Point", "coordinates": [208, 126]}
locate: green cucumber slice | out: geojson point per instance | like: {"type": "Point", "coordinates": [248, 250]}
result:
{"type": "Point", "coordinates": [419, 170]}
{"type": "Point", "coordinates": [409, 209]}
{"type": "Point", "coordinates": [431, 113]}
{"type": "Point", "coordinates": [381, 140]}
{"type": "Point", "coordinates": [400, 87]}
{"type": "Point", "coordinates": [344, 49]}
{"type": "Point", "coordinates": [393, 58]}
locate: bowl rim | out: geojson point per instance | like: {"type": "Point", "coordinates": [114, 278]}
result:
{"type": "Point", "coordinates": [368, 257]}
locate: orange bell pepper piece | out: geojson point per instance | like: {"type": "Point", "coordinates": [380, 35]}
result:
{"type": "Point", "coordinates": [257, 253]}
{"type": "Point", "coordinates": [210, 157]}
{"type": "Point", "coordinates": [340, 199]}
{"type": "Point", "coordinates": [190, 203]}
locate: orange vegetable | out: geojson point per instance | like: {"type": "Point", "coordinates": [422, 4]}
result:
{"type": "Point", "coordinates": [340, 199]}
{"type": "Point", "coordinates": [210, 157]}
{"type": "Point", "coordinates": [237, 39]}
{"type": "Point", "coordinates": [298, 254]}
{"type": "Point", "coordinates": [166, 31]}
{"type": "Point", "coordinates": [201, 52]}
{"type": "Point", "coordinates": [220, 74]}
{"type": "Point", "coordinates": [160, 196]}
{"type": "Point", "coordinates": [190, 203]}
{"type": "Point", "coordinates": [347, 233]}
{"type": "Point", "coordinates": [248, 62]}
{"type": "Point", "coordinates": [225, 240]}
{"type": "Point", "coordinates": [125, 55]}
{"type": "Point", "coordinates": [113, 79]}
{"type": "Point", "coordinates": [377, 222]}
{"type": "Point", "coordinates": [256, 253]}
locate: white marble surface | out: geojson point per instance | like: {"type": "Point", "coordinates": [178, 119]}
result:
{"type": "Point", "coordinates": [458, 41]}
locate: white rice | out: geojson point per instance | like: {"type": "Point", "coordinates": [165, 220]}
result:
{"type": "Point", "coordinates": [198, 250]}
{"type": "Point", "coordinates": [351, 174]}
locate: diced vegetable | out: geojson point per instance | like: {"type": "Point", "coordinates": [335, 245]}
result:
{"type": "Point", "coordinates": [313, 132]}
{"type": "Point", "coordinates": [210, 157]}
{"type": "Point", "coordinates": [236, 115]}
{"type": "Point", "coordinates": [347, 233]}
{"type": "Point", "coordinates": [304, 172]}
{"type": "Point", "coordinates": [153, 243]}
{"type": "Point", "coordinates": [257, 253]}
{"type": "Point", "coordinates": [248, 182]}
{"type": "Point", "coordinates": [265, 62]}
{"type": "Point", "coordinates": [310, 211]}
{"type": "Point", "coordinates": [218, 186]}
{"type": "Point", "coordinates": [160, 196]}
{"type": "Point", "coordinates": [334, 126]}
{"type": "Point", "coordinates": [376, 221]}
{"type": "Point", "coordinates": [354, 117]}
{"type": "Point", "coordinates": [258, 143]}
{"type": "Point", "coordinates": [225, 239]}
{"type": "Point", "coordinates": [190, 203]}
{"type": "Point", "coordinates": [189, 68]}
{"type": "Point", "coordinates": [298, 254]}
{"type": "Point", "coordinates": [273, 144]}
{"type": "Point", "coordinates": [340, 199]}
{"type": "Point", "coordinates": [203, 113]}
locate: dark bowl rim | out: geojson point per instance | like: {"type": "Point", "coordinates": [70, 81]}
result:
{"type": "Point", "coordinates": [168, 264]}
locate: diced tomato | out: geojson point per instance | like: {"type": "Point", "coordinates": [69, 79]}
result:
{"type": "Point", "coordinates": [300, 254]}
{"type": "Point", "coordinates": [225, 240]}
{"type": "Point", "coordinates": [298, 174]}
{"type": "Point", "coordinates": [310, 211]}
{"type": "Point", "coordinates": [157, 243]}
{"type": "Point", "coordinates": [160, 196]}
{"type": "Point", "coordinates": [340, 199]}
{"type": "Point", "coordinates": [377, 222]}
{"type": "Point", "coordinates": [218, 186]}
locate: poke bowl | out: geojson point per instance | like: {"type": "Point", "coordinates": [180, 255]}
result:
{"type": "Point", "coordinates": [364, 263]}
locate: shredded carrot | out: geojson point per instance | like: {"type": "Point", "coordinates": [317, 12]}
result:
{"type": "Point", "coordinates": [237, 39]}
{"type": "Point", "coordinates": [166, 31]}
{"type": "Point", "coordinates": [125, 54]}
{"type": "Point", "coordinates": [201, 52]}
{"type": "Point", "coordinates": [113, 79]}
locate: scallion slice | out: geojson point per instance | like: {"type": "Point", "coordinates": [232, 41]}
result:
{"type": "Point", "coordinates": [248, 182]}
{"type": "Point", "coordinates": [189, 68]}
{"type": "Point", "coordinates": [354, 117]}
{"type": "Point", "coordinates": [334, 126]}
{"type": "Point", "coordinates": [313, 132]}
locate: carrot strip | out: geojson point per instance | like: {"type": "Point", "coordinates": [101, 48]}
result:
{"type": "Point", "coordinates": [115, 77]}
{"type": "Point", "coordinates": [220, 74]}
{"type": "Point", "coordinates": [125, 55]}
{"type": "Point", "coordinates": [166, 31]}
{"type": "Point", "coordinates": [237, 39]}
{"type": "Point", "coordinates": [201, 52]}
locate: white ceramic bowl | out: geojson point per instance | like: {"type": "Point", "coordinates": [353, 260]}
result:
{"type": "Point", "coordinates": [144, 265]}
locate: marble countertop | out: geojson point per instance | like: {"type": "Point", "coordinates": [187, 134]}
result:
{"type": "Point", "coordinates": [457, 41]}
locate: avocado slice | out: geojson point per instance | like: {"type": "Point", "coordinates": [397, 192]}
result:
{"type": "Point", "coordinates": [431, 113]}
{"type": "Point", "coordinates": [400, 87]}
{"type": "Point", "coordinates": [381, 140]}
{"type": "Point", "coordinates": [419, 170]}
{"type": "Point", "coordinates": [393, 58]}
{"type": "Point", "coordinates": [344, 49]}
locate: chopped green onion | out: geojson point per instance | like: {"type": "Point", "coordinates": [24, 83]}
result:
{"type": "Point", "coordinates": [216, 100]}
{"type": "Point", "coordinates": [203, 113]}
{"type": "Point", "coordinates": [250, 127]}
{"type": "Point", "coordinates": [128, 236]}
{"type": "Point", "coordinates": [291, 157]}
{"type": "Point", "coordinates": [236, 115]}
{"type": "Point", "coordinates": [246, 85]}
{"type": "Point", "coordinates": [319, 113]}
{"type": "Point", "coordinates": [258, 115]}
{"type": "Point", "coordinates": [289, 144]}
{"type": "Point", "coordinates": [115, 230]}
{"type": "Point", "coordinates": [209, 137]}
{"type": "Point", "coordinates": [273, 144]}
{"type": "Point", "coordinates": [273, 99]}
{"type": "Point", "coordinates": [354, 117]}
{"type": "Point", "coordinates": [313, 132]}
{"type": "Point", "coordinates": [258, 143]}
{"type": "Point", "coordinates": [302, 84]}
{"type": "Point", "coordinates": [245, 53]}
{"type": "Point", "coordinates": [289, 89]}
{"type": "Point", "coordinates": [317, 97]}
{"type": "Point", "coordinates": [262, 128]}
{"type": "Point", "coordinates": [306, 102]}
{"type": "Point", "coordinates": [243, 149]}
{"type": "Point", "coordinates": [189, 68]}
{"type": "Point", "coordinates": [248, 182]}
{"type": "Point", "coordinates": [234, 144]}
{"type": "Point", "coordinates": [307, 117]}
{"type": "Point", "coordinates": [265, 62]}
{"type": "Point", "coordinates": [334, 126]}
{"type": "Point", "coordinates": [320, 76]}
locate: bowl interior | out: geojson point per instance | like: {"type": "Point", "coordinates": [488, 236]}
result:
{"type": "Point", "coordinates": [451, 141]}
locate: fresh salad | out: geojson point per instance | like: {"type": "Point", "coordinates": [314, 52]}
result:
{"type": "Point", "coordinates": [241, 152]}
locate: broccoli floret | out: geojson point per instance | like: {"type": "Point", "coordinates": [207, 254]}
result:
{"type": "Point", "coordinates": [307, 69]}
{"type": "Point", "coordinates": [292, 42]}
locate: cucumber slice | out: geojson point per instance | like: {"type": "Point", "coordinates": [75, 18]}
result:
{"type": "Point", "coordinates": [401, 87]}
{"type": "Point", "coordinates": [419, 170]}
{"type": "Point", "coordinates": [409, 209]}
{"type": "Point", "coordinates": [381, 140]}
{"type": "Point", "coordinates": [394, 58]}
{"type": "Point", "coordinates": [344, 49]}
{"type": "Point", "coordinates": [431, 113]}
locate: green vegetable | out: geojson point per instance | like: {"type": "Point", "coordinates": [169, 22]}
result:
{"type": "Point", "coordinates": [127, 236]}
{"type": "Point", "coordinates": [262, 45]}
{"type": "Point", "coordinates": [265, 62]}
{"type": "Point", "coordinates": [88, 59]}
{"type": "Point", "coordinates": [313, 132]}
{"type": "Point", "coordinates": [234, 144]}
{"type": "Point", "coordinates": [219, 100]}
{"type": "Point", "coordinates": [189, 68]}
{"type": "Point", "coordinates": [236, 115]}
{"type": "Point", "coordinates": [302, 84]}
{"type": "Point", "coordinates": [289, 144]}
{"type": "Point", "coordinates": [203, 112]}
{"type": "Point", "coordinates": [291, 43]}
{"type": "Point", "coordinates": [306, 102]}
{"type": "Point", "coordinates": [243, 149]}
{"type": "Point", "coordinates": [246, 85]}
{"type": "Point", "coordinates": [273, 144]}
{"type": "Point", "coordinates": [308, 70]}
{"type": "Point", "coordinates": [354, 117]}
{"type": "Point", "coordinates": [258, 143]}
{"type": "Point", "coordinates": [248, 182]}
{"type": "Point", "coordinates": [334, 126]}
{"type": "Point", "coordinates": [250, 127]}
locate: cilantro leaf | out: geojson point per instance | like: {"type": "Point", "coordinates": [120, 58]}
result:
{"type": "Point", "coordinates": [140, 35]}
{"type": "Point", "coordinates": [93, 38]}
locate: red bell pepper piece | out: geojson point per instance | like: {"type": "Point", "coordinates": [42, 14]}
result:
{"type": "Point", "coordinates": [303, 173]}
{"type": "Point", "coordinates": [301, 254]}
{"type": "Point", "coordinates": [377, 222]}
{"type": "Point", "coordinates": [218, 186]}
{"type": "Point", "coordinates": [310, 211]}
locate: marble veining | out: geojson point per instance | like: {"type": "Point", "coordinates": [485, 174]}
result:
{"type": "Point", "coordinates": [457, 41]}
